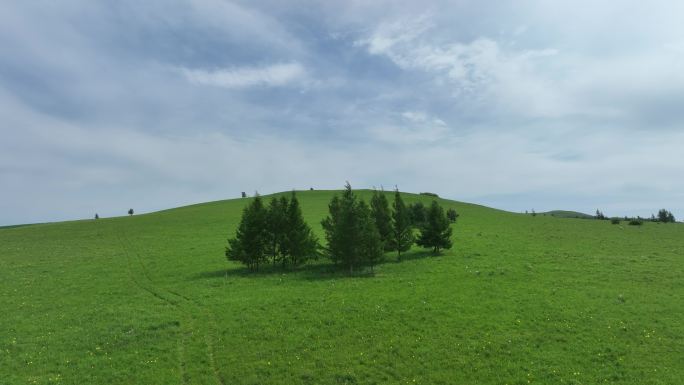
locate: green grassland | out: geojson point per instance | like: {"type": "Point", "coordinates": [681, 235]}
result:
{"type": "Point", "coordinates": [151, 299]}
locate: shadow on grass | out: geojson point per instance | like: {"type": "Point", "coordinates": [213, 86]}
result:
{"type": "Point", "coordinates": [317, 270]}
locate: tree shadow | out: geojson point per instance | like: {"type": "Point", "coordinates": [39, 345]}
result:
{"type": "Point", "coordinates": [314, 271]}
{"type": "Point", "coordinates": [416, 254]}
{"type": "Point", "coordinates": [320, 270]}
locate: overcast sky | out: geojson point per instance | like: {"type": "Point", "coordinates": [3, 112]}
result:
{"type": "Point", "coordinates": [519, 105]}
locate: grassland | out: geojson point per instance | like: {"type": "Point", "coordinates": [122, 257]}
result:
{"type": "Point", "coordinates": [150, 299]}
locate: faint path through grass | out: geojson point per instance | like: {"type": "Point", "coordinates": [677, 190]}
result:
{"type": "Point", "coordinates": [198, 325]}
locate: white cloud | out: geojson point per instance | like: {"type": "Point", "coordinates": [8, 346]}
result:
{"type": "Point", "coordinates": [481, 69]}
{"type": "Point", "coordinates": [275, 75]}
{"type": "Point", "coordinates": [411, 127]}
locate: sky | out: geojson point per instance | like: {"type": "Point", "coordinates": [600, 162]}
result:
{"type": "Point", "coordinates": [519, 105]}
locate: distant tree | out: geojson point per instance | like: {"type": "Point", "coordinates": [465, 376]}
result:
{"type": "Point", "coordinates": [299, 243]}
{"type": "Point", "coordinates": [346, 228]}
{"type": "Point", "coordinates": [249, 246]}
{"type": "Point", "coordinates": [275, 227]}
{"type": "Point", "coordinates": [97, 216]}
{"type": "Point", "coordinates": [599, 215]}
{"type": "Point", "coordinates": [430, 194]}
{"type": "Point", "coordinates": [418, 214]}
{"type": "Point", "coordinates": [665, 216]}
{"type": "Point", "coordinates": [534, 213]}
{"type": "Point", "coordinates": [615, 221]}
{"type": "Point", "coordinates": [244, 194]}
{"type": "Point", "coordinates": [436, 232]}
{"type": "Point", "coordinates": [311, 188]}
{"type": "Point", "coordinates": [402, 233]}
{"type": "Point", "coordinates": [635, 222]}
{"type": "Point", "coordinates": [130, 211]}
{"type": "Point", "coordinates": [382, 216]}
{"type": "Point", "coordinates": [452, 215]}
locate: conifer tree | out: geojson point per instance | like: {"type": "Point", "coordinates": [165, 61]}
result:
{"type": "Point", "coordinates": [436, 232]}
{"type": "Point", "coordinates": [299, 242]}
{"type": "Point", "coordinates": [370, 247]}
{"type": "Point", "coordinates": [350, 232]}
{"type": "Point", "coordinates": [402, 233]}
{"type": "Point", "coordinates": [418, 214]}
{"type": "Point", "coordinates": [381, 215]}
{"type": "Point", "coordinates": [452, 215]}
{"type": "Point", "coordinates": [250, 243]}
{"type": "Point", "coordinates": [275, 227]}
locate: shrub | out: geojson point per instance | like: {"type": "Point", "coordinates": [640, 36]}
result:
{"type": "Point", "coordinates": [430, 194]}
{"type": "Point", "coordinates": [615, 221]}
{"type": "Point", "coordinates": [636, 222]}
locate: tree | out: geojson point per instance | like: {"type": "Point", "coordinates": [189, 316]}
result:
{"type": "Point", "coordinates": [417, 213]}
{"type": "Point", "coordinates": [244, 194]}
{"type": "Point", "coordinates": [350, 232]}
{"type": "Point", "coordinates": [299, 242]}
{"type": "Point", "coordinates": [436, 232]}
{"type": "Point", "coordinates": [250, 243]}
{"type": "Point", "coordinates": [665, 216]}
{"type": "Point", "coordinates": [380, 212]}
{"type": "Point", "coordinates": [599, 215]}
{"type": "Point", "coordinates": [276, 227]}
{"type": "Point", "coordinates": [452, 215]}
{"type": "Point", "coordinates": [371, 245]}
{"type": "Point", "coordinates": [97, 216]}
{"type": "Point", "coordinates": [402, 233]}
{"type": "Point", "coordinates": [130, 211]}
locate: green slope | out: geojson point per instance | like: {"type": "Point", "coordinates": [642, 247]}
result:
{"type": "Point", "coordinates": [150, 299]}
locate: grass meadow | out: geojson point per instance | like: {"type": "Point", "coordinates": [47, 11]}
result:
{"type": "Point", "coordinates": [151, 299]}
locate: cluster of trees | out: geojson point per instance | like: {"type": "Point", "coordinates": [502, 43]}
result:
{"type": "Point", "coordinates": [357, 234]}
{"type": "Point", "coordinates": [418, 214]}
{"type": "Point", "coordinates": [664, 216]}
{"type": "Point", "coordinates": [277, 233]}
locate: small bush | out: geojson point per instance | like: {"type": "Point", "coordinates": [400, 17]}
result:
{"type": "Point", "coordinates": [636, 222]}
{"type": "Point", "coordinates": [615, 221]}
{"type": "Point", "coordinates": [430, 194]}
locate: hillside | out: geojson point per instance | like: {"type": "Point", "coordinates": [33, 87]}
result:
{"type": "Point", "coordinates": [151, 299]}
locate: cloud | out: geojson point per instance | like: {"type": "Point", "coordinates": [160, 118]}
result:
{"type": "Point", "coordinates": [275, 75]}
{"type": "Point", "coordinates": [481, 69]}
{"type": "Point", "coordinates": [412, 127]}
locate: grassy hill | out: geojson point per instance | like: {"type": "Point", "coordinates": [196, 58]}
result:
{"type": "Point", "coordinates": [151, 299]}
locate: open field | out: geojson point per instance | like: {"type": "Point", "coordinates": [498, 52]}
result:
{"type": "Point", "coordinates": [151, 299]}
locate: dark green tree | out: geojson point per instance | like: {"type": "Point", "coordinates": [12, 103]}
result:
{"type": "Point", "coordinates": [665, 216]}
{"type": "Point", "coordinates": [340, 232]}
{"type": "Point", "coordinates": [250, 245]}
{"type": "Point", "coordinates": [276, 221]}
{"type": "Point", "coordinates": [130, 211]}
{"type": "Point", "coordinates": [347, 229]}
{"type": "Point", "coordinates": [370, 247]}
{"type": "Point", "coordinates": [382, 216]}
{"type": "Point", "coordinates": [436, 232]}
{"type": "Point", "coordinates": [452, 215]}
{"type": "Point", "coordinates": [418, 213]}
{"type": "Point", "coordinates": [299, 243]}
{"type": "Point", "coordinates": [97, 216]}
{"type": "Point", "coordinates": [402, 233]}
